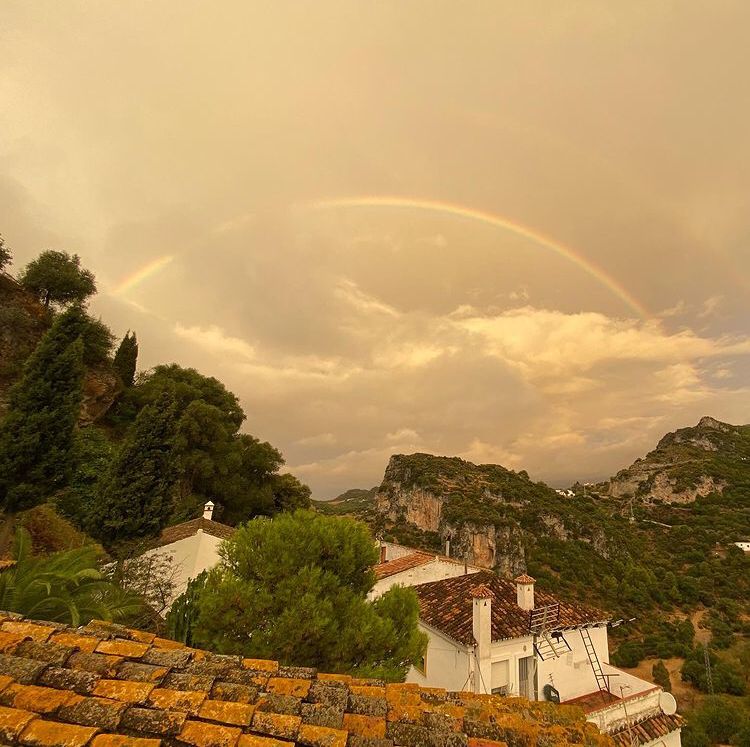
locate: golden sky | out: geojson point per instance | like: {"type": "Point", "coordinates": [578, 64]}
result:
{"type": "Point", "coordinates": [513, 232]}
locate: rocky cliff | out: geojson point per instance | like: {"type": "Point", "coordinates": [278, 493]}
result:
{"type": "Point", "coordinates": [490, 514]}
{"type": "Point", "coordinates": [23, 322]}
{"type": "Point", "coordinates": [687, 464]}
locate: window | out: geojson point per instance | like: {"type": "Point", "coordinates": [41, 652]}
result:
{"type": "Point", "coordinates": [421, 665]}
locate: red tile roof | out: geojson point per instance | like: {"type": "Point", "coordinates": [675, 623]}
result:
{"type": "Point", "coordinates": [446, 605]}
{"type": "Point", "coordinates": [189, 528]}
{"type": "Point", "coordinates": [648, 730]}
{"type": "Point", "coordinates": [524, 578]}
{"type": "Point", "coordinates": [404, 563]}
{"type": "Point", "coordinates": [105, 685]}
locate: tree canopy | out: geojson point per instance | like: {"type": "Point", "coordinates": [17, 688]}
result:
{"type": "Point", "coordinates": [126, 358]}
{"type": "Point", "coordinates": [36, 436]}
{"type": "Point", "coordinates": [5, 254]}
{"type": "Point", "coordinates": [294, 588]}
{"type": "Point", "coordinates": [57, 278]}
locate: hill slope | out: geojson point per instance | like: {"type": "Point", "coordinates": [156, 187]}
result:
{"type": "Point", "coordinates": [710, 457]}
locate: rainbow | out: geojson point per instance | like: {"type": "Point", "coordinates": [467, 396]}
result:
{"type": "Point", "coordinates": [463, 211]}
{"type": "Point", "coordinates": [149, 269]}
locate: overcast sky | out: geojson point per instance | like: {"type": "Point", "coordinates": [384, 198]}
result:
{"type": "Point", "coordinates": [514, 232]}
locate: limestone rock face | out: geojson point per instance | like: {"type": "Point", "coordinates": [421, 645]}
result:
{"type": "Point", "coordinates": [687, 464]}
{"type": "Point", "coordinates": [100, 388]}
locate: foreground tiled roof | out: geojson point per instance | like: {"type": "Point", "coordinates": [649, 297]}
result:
{"type": "Point", "coordinates": [189, 528]}
{"type": "Point", "coordinates": [446, 605]}
{"type": "Point", "coordinates": [104, 685]}
{"type": "Point", "coordinates": [648, 730]}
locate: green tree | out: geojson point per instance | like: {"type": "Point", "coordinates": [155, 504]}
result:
{"type": "Point", "coordinates": [58, 278]}
{"type": "Point", "coordinates": [66, 587]}
{"type": "Point", "coordinates": [5, 255]}
{"type": "Point", "coordinates": [136, 499]}
{"type": "Point", "coordinates": [183, 614]}
{"type": "Point", "coordinates": [126, 358]}
{"type": "Point", "coordinates": [36, 436]}
{"type": "Point", "coordinates": [294, 588]}
{"type": "Point", "coordinates": [661, 676]}
{"type": "Point", "coordinates": [91, 457]}
{"type": "Point", "coordinates": [289, 493]}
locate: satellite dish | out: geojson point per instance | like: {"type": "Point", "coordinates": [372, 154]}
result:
{"type": "Point", "coordinates": [668, 703]}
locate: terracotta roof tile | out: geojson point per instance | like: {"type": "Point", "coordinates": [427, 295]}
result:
{"type": "Point", "coordinates": [51, 734]}
{"type": "Point", "coordinates": [151, 693]}
{"type": "Point", "coordinates": [446, 605]}
{"type": "Point", "coordinates": [648, 730]}
{"type": "Point", "coordinates": [524, 578]}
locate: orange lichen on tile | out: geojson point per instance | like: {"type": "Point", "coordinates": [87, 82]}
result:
{"type": "Point", "coordinates": [476, 742]}
{"type": "Point", "coordinates": [253, 740]}
{"type": "Point", "coordinates": [368, 691]}
{"type": "Point", "coordinates": [28, 630]}
{"type": "Point", "coordinates": [321, 736]}
{"type": "Point", "coordinates": [87, 643]}
{"type": "Point", "coordinates": [276, 724]}
{"type": "Point", "coordinates": [121, 647]}
{"type": "Point", "coordinates": [262, 665]}
{"type": "Point", "coordinates": [289, 686]}
{"type": "Point", "coordinates": [38, 699]}
{"type": "Point", "coordinates": [123, 690]}
{"type": "Point", "coordinates": [345, 678]}
{"type": "Point", "coordinates": [411, 714]}
{"type": "Point", "coordinates": [141, 636]}
{"type": "Point", "coordinates": [187, 701]}
{"type": "Point", "coordinates": [166, 643]}
{"type": "Point", "coordinates": [451, 709]}
{"type": "Point", "coordinates": [365, 726]}
{"type": "Point", "coordinates": [53, 734]}
{"type": "Point", "coordinates": [227, 712]}
{"type": "Point", "coordinates": [118, 740]}
{"type": "Point", "coordinates": [402, 695]}
{"type": "Point", "coordinates": [201, 734]}
{"type": "Point", "coordinates": [13, 722]}
{"type": "Point", "coordinates": [8, 640]}
{"type": "Point", "coordinates": [439, 692]}
{"type": "Point", "coordinates": [5, 681]}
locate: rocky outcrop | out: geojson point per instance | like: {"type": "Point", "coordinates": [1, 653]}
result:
{"type": "Point", "coordinates": [687, 464]}
{"type": "Point", "coordinates": [100, 389]}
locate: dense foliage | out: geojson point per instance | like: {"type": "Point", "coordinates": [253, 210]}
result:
{"type": "Point", "coordinates": [36, 436]}
{"type": "Point", "coordinates": [66, 587]}
{"type": "Point", "coordinates": [295, 589]}
{"type": "Point", "coordinates": [126, 359]}
{"type": "Point", "coordinates": [5, 255]}
{"type": "Point", "coordinates": [57, 278]}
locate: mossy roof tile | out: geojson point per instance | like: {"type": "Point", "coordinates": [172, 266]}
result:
{"type": "Point", "coordinates": [141, 691]}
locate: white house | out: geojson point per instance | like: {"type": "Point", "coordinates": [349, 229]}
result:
{"type": "Point", "coordinates": [743, 546]}
{"type": "Point", "coordinates": [493, 635]}
{"type": "Point", "coordinates": [192, 547]}
{"type": "Point", "coordinates": [406, 566]}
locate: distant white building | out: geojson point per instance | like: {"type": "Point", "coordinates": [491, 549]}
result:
{"type": "Point", "coordinates": [191, 547]}
{"type": "Point", "coordinates": [406, 566]}
{"type": "Point", "coordinates": [743, 546]}
{"type": "Point", "coordinates": [493, 635]}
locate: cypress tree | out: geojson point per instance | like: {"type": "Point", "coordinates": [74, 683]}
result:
{"type": "Point", "coordinates": [36, 436]}
{"type": "Point", "coordinates": [126, 358]}
{"type": "Point", "coordinates": [136, 495]}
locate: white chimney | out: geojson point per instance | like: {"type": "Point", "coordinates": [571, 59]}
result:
{"type": "Point", "coordinates": [447, 548]}
{"type": "Point", "coordinates": [525, 592]}
{"type": "Point", "coordinates": [481, 600]}
{"type": "Point", "coordinates": [208, 510]}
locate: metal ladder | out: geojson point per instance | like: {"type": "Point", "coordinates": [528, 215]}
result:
{"type": "Point", "coordinates": [602, 681]}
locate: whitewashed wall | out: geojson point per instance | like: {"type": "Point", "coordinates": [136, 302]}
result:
{"type": "Point", "coordinates": [435, 570]}
{"type": "Point", "coordinates": [448, 664]}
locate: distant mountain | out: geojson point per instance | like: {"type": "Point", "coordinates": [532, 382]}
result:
{"type": "Point", "coordinates": [358, 502]}
{"type": "Point", "coordinates": [706, 459]}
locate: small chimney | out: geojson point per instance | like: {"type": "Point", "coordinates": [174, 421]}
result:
{"type": "Point", "coordinates": [481, 600]}
{"type": "Point", "coordinates": [525, 592]}
{"type": "Point", "coordinates": [383, 552]}
{"type": "Point", "coordinates": [447, 548]}
{"type": "Point", "coordinates": [208, 510]}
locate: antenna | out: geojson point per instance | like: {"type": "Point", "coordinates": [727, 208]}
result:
{"type": "Point", "coordinates": [709, 678]}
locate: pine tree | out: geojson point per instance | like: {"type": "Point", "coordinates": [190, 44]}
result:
{"type": "Point", "coordinates": [5, 255]}
{"type": "Point", "coordinates": [136, 495]}
{"type": "Point", "coordinates": [36, 436]}
{"type": "Point", "coordinates": [126, 358]}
